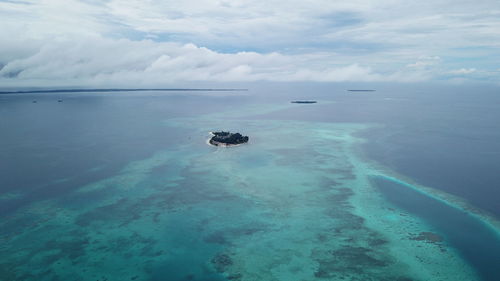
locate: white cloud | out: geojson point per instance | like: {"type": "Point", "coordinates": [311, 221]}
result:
{"type": "Point", "coordinates": [320, 40]}
{"type": "Point", "coordinates": [103, 61]}
{"type": "Point", "coordinates": [425, 61]}
{"type": "Point", "coordinates": [462, 71]}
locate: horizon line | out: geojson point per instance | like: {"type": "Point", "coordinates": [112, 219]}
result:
{"type": "Point", "coordinates": [120, 90]}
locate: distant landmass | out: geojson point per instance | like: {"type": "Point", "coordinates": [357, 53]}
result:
{"type": "Point", "coordinates": [115, 90]}
{"type": "Point", "coordinates": [227, 139]}
{"type": "Point", "coordinates": [361, 90]}
{"type": "Point", "coordinates": [303, 101]}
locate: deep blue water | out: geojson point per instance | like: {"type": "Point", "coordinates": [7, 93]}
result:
{"type": "Point", "coordinates": [478, 243]}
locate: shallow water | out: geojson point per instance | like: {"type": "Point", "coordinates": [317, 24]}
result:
{"type": "Point", "coordinates": [124, 187]}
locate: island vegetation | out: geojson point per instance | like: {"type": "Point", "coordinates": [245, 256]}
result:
{"type": "Point", "coordinates": [227, 139]}
{"type": "Point", "coordinates": [303, 101]}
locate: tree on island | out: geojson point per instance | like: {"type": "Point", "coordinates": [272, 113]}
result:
{"type": "Point", "coordinates": [228, 138]}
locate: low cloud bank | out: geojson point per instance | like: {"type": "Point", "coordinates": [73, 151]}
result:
{"type": "Point", "coordinates": [102, 61]}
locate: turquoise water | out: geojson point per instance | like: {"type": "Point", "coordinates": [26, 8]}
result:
{"type": "Point", "coordinates": [298, 202]}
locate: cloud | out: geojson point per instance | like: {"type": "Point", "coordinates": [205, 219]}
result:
{"type": "Point", "coordinates": [245, 40]}
{"type": "Point", "coordinates": [425, 61]}
{"type": "Point", "coordinates": [103, 61]}
{"type": "Point", "coordinates": [463, 71]}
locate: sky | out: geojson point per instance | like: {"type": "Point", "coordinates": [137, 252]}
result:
{"type": "Point", "coordinates": [152, 42]}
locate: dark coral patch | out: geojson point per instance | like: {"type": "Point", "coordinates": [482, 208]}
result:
{"type": "Point", "coordinates": [221, 262]}
{"type": "Point", "coordinates": [429, 237]}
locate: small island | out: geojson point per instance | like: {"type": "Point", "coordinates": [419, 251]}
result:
{"type": "Point", "coordinates": [227, 139]}
{"type": "Point", "coordinates": [303, 101]}
{"type": "Point", "coordinates": [361, 90]}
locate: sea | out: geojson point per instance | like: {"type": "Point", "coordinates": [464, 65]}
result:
{"type": "Point", "coordinates": [397, 184]}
